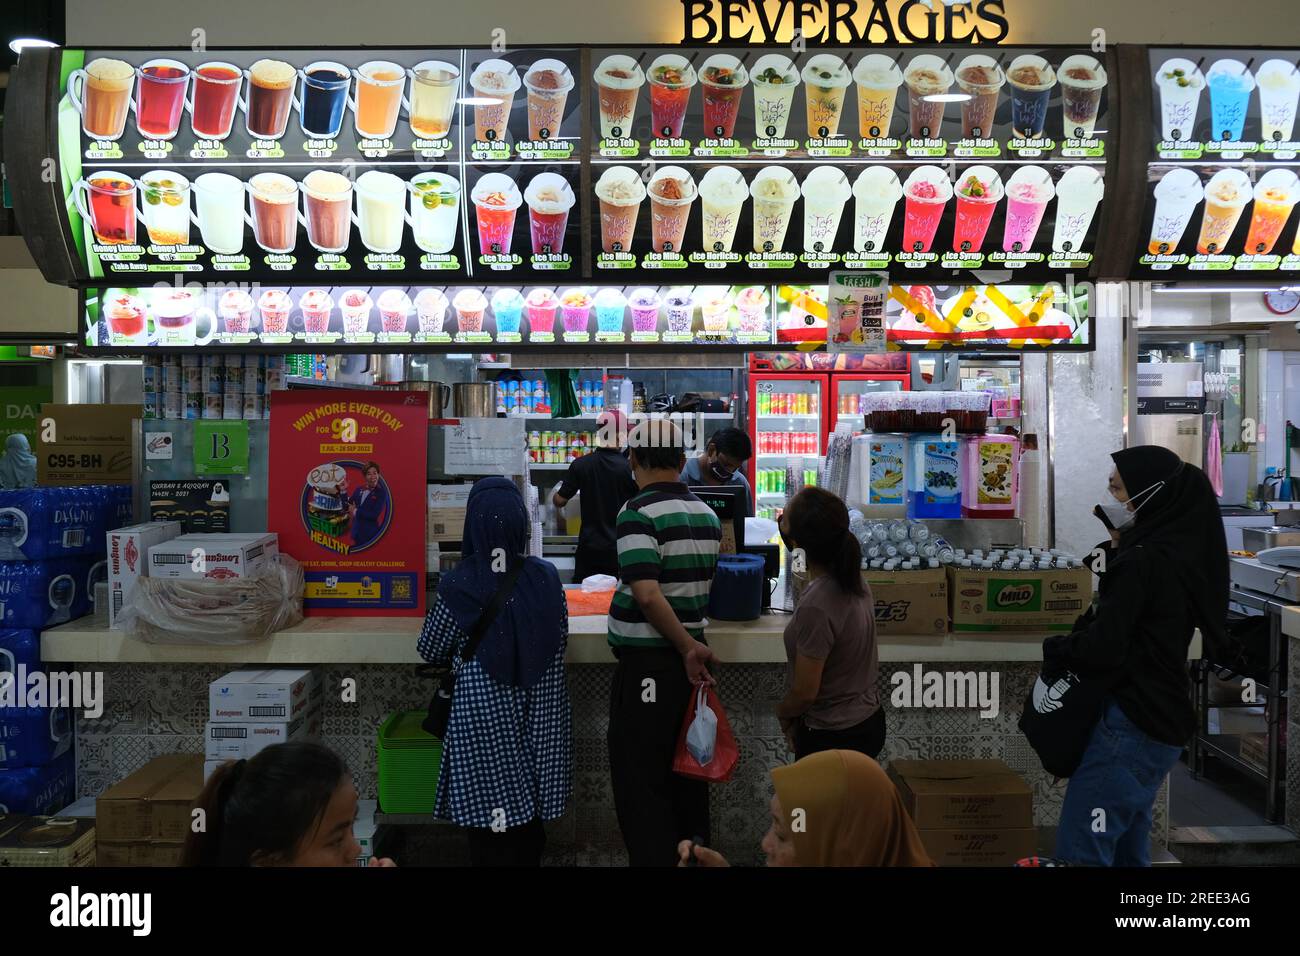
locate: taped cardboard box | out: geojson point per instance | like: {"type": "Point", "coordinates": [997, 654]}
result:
{"type": "Point", "coordinates": [978, 847]}
{"type": "Point", "coordinates": [1024, 600]}
{"type": "Point", "coordinates": [153, 804]}
{"type": "Point", "coordinates": [963, 794]}
{"type": "Point", "coordinates": [909, 602]}
{"type": "Point", "coordinates": [138, 854]}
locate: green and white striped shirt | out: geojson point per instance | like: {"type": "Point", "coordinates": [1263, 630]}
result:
{"type": "Point", "coordinates": [665, 534]}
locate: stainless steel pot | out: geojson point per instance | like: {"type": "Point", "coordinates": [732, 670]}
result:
{"type": "Point", "coordinates": [475, 399]}
{"type": "Point", "coordinates": [439, 396]}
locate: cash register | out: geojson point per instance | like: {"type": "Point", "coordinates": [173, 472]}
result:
{"type": "Point", "coordinates": [729, 503]}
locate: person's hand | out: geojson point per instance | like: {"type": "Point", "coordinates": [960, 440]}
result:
{"type": "Point", "coordinates": [703, 855]}
{"type": "Point", "coordinates": [380, 861]}
{"type": "Point", "coordinates": [697, 659]}
{"type": "Point", "coordinates": [1114, 536]}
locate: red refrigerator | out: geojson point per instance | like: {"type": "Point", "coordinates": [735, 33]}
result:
{"type": "Point", "coordinates": [787, 419]}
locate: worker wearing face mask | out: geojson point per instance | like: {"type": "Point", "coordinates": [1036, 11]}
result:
{"type": "Point", "coordinates": [1165, 575]}
{"type": "Point", "coordinates": [723, 463]}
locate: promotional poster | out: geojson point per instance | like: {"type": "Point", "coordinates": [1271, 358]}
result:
{"type": "Point", "coordinates": [347, 481]}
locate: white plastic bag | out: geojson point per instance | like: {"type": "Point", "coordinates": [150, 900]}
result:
{"type": "Point", "coordinates": [228, 611]}
{"type": "Point", "coordinates": [599, 582]}
{"type": "Point", "coordinates": [702, 736]}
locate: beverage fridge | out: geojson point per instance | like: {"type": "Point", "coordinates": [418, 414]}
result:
{"type": "Point", "coordinates": [787, 421]}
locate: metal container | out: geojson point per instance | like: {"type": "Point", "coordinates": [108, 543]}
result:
{"type": "Point", "coordinates": [1261, 539]}
{"type": "Point", "coordinates": [475, 399]}
{"type": "Point", "coordinates": [439, 395]}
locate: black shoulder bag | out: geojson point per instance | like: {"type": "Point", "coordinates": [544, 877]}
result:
{"type": "Point", "coordinates": [440, 706]}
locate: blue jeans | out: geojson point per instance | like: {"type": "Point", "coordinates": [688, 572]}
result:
{"type": "Point", "coordinates": [1106, 818]}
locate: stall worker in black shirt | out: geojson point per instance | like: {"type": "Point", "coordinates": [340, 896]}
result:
{"type": "Point", "coordinates": [604, 480]}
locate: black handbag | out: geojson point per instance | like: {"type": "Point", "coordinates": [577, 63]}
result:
{"type": "Point", "coordinates": [439, 714]}
{"type": "Point", "coordinates": [1059, 716]}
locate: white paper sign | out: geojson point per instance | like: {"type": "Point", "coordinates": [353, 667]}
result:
{"type": "Point", "coordinates": [158, 446]}
{"type": "Point", "coordinates": [486, 446]}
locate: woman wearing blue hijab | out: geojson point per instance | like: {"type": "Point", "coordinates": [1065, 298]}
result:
{"type": "Point", "coordinates": [507, 758]}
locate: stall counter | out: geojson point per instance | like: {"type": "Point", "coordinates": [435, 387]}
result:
{"type": "Point", "coordinates": [373, 640]}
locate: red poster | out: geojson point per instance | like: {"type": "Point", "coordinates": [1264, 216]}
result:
{"type": "Point", "coordinates": [347, 497]}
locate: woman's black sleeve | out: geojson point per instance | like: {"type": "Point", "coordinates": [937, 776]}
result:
{"type": "Point", "coordinates": [1102, 645]}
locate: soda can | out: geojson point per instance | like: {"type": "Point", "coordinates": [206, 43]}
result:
{"type": "Point", "coordinates": [512, 404]}
{"type": "Point", "coordinates": [534, 439]}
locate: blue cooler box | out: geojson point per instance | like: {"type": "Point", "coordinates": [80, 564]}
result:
{"type": "Point", "coordinates": [40, 791]}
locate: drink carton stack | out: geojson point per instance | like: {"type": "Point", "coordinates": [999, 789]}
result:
{"type": "Point", "coordinates": [250, 710]}
{"type": "Point", "coordinates": [52, 553]}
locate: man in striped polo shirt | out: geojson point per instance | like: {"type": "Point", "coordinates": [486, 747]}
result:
{"type": "Point", "coordinates": [667, 549]}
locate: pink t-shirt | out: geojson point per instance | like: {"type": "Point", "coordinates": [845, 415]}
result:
{"type": "Point", "coordinates": [839, 628]}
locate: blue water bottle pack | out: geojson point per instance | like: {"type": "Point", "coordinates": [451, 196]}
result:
{"type": "Point", "coordinates": [40, 594]}
{"type": "Point", "coordinates": [40, 790]}
{"type": "Point", "coordinates": [37, 524]}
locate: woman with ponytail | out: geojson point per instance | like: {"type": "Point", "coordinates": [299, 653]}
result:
{"type": "Point", "coordinates": [291, 805]}
{"type": "Point", "coordinates": [831, 701]}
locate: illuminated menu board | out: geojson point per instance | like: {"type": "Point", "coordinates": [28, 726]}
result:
{"type": "Point", "coordinates": [1224, 178]}
{"type": "Point", "coordinates": [359, 163]}
{"type": "Point", "coordinates": [910, 159]}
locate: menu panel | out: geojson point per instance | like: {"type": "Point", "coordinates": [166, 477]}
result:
{"type": "Point", "coordinates": [1224, 178]}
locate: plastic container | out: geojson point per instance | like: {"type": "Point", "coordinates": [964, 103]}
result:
{"type": "Point", "coordinates": [935, 485]}
{"type": "Point", "coordinates": [409, 762]}
{"type": "Point", "coordinates": [737, 590]}
{"type": "Point", "coordinates": [992, 469]}
{"type": "Point", "coordinates": [887, 461]}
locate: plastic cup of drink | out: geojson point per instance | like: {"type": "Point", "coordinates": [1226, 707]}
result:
{"type": "Point", "coordinates": [979, 190]}
{"type": "Point", "coordinates": [618, 79]}
{"type": "Point", "coordinates": [541, 305]}
{"type": "Point", "coordinates": [878, 78]}
{"type": "Point", "coordinates": [549, 197]}
{"type": "Point", "coordinates": [672, 190]}
{"type": "Point", "coordinates": [1276, 195]}
{"type": "Point", "coordinates": [394, 306]}
{"type": "Point", "coordinates": [981, 78]}
{"type": "Point", "coordinates": [236, 310]}
{"type": "Point", "coordinates": [435, 211]}
{"type": "Point", "coordinates": [715, 307]}
{"type": "Point", "coordinates": [875, 193]}
{"type": "Point", "coordinates": [1226, 197]}
{"type": "Point", "coordinates": [496, 199]}
{"type": "Point", "coordinates": [1032, 81]}
{"type": "Point", "coordinates": [495, 83]}
{"type": "Point", "coordinates": [644, 304]}
{"type": "Point", "coordinates": [1028, 193]}
{"type": "Point", "coordinates": [316, 306]}
{"type": "Point", "coordinates": [723, 78]}
{"type": "Point", "coordinates": [507, 309]}
{"type": "Point", "coordinates": [1083, 79]}
{"type": "Point", "coordinates": [773, 191]}
{"type": "Point", "coordinates": [430, 310]}
{"type": "Point", "coordinates": [619, 192]}
{"type": "Point", "coordinates": [125, 315]}
{"type": "Point", "coordinates": [671, 78]}
{"type": "Point", "coordinates": [274, 306]}
{"type": "Point", "coordinates": [680, 311]}
{"type": "Point", "coordinates": [1231, 85]}
{"type": "Point", "coordinates": [548, 83]}
{"type": "Point", "coordinates": [752, 309]}
{"type": "Point", "coordinates": [575, 305]}
{"type": "Point", "coordinates": [1078, 194]}
{"type": "Point", "coordinates": [470, 304]}
{"type": "Point", "coordinates": [355, 305]}
{"type": "Point", "coordinates": [1177, 196]}
{"type": "Point", "coordinates": [825, 191]}
{"type": "Point", "coordinates": [1279, 93]}
{"type": "Point", "coordinates": [825, 78]}
{"type": "Point", "coordinates": [927, 76]}
{"type": "Point", "coordinates": [611, 307]}
{"type": "Point", "coordinates": [926, 194]}
{"type": "Point", "coordinates": [774, 78]}
{"type": "Point", "coordinates": [723, 192]}
{"type": "Point", "coordinates": [1180, 83]}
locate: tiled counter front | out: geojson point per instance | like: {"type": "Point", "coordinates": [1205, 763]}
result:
{"type": "Point", "coordinates": [157, 709]}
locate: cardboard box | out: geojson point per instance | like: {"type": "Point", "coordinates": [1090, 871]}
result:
{"type": "Point", "coordinates": [153, 804]}
{"type": "Point", "coordinates": [138, 854]}
{"type": "Point", "coordinates": [128, 551]}
{"type": "Point", "coordinates": [264, 695]}
{"type": "Point", "coordinates": [1026, 600]}
{"type": "Point", "coordinates": [978, 847]}
{"type": "Point", "coordinates": [241, 739]}
{"type": "Point", "coordinates": [447, 506]}
{"type": "Point", "coordinates": [963, 794]}
{"type": "Point", "coordinates": [909, 602]}
{"type": "Point", "coordinates": [224, 556]}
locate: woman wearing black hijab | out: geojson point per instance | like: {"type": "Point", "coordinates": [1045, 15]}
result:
{"type": "Point", "coordinates": [1166, 574]}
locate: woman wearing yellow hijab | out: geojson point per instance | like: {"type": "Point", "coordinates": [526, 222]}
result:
{"type": "Point", "coordinates": [834, 808]}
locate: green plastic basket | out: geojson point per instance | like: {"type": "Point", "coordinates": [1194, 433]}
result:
{"type": "Point", "coordinates": [409, 759]}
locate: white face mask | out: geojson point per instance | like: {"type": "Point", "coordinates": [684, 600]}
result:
{"type": "Point", "coordinates": [1120, 517]}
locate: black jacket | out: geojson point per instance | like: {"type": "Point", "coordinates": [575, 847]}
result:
{"type": "Point", "coordinates": [1137, 638]}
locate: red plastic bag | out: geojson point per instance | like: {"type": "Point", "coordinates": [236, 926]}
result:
{"type": "Point", "coordinates": [725, 752]}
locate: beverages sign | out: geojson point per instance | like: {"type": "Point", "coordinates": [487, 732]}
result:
{"type": "Point", "coordinates": [829, 21]}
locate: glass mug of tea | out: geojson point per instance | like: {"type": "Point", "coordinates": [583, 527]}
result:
{"type": "Point", "coordinates": [107, 201]}
{"type": "Point", "coordinates": [379, 98]}
{"type": "Point", "coordinates": [177, 313]}
{"type": "Point", "coordinates": [160, 92]}
{"type": "Point", "coordinates": [101, 93]}
{"type": "Point", "coordinates": [127, 320]}
{"type": "Point", "coordinates": [214, 99]}
{"type": "Point", "coordinates": [164, 205]}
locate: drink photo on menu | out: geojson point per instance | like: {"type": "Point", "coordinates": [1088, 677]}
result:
{"type": "Point", "coordinates": [522, 105]}
{"type": "Point", "coordinates": [520, 218]}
